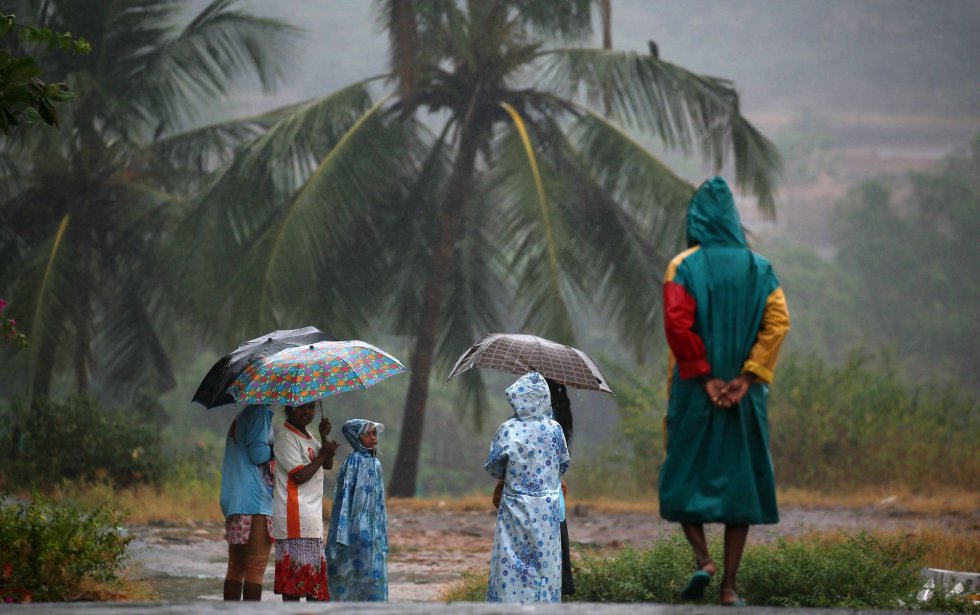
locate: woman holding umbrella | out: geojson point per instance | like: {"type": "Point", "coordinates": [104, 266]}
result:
{"type": "Point", "coordinates": [301, 569]}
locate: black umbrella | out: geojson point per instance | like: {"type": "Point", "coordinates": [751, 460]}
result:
{"type": "Point", "coordinates": [211, 393]}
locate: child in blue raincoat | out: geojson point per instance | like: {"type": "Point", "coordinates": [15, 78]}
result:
{"type": "Point", "coordinates": [357, 545]}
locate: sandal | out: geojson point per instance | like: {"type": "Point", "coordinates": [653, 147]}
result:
{"type": "Point", "coordinates": [737, 602]}
{"type": "Point", "coordinates": [694, 590]}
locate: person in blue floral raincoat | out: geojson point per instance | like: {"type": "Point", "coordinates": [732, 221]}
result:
{"type": "Point", "coordinates": [357, 544]}
{"type": "Point", "coordinates": [529, 454]}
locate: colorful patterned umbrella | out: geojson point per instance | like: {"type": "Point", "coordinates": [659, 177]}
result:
{"type": "Point", "coordinates": [296, 376]}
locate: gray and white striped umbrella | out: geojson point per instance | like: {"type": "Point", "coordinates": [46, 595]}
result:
{"type": "Point", "coordinates": [518, 354]}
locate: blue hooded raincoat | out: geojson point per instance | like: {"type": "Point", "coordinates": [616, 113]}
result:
{"type": "Point", "coordinates": [357, 544]}
{"type": "Point", "coordinates": [529, 454]}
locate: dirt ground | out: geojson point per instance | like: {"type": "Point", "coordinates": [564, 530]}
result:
{"type": "Point", "coordinates": [433, 548]}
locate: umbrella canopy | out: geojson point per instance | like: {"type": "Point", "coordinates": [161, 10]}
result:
{"type": "Point", "coordinates": [212, 390]}
{"type": "Point", "coordinates": [299, 375]}
{"type": "Point", "coordinates": [518, 354]}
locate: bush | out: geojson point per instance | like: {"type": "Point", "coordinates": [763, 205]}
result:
{"type": "Point", "coordinates": [833, 428]}
{"type": "Point", "coordinates": [653, 575]}
{"type": "Point", "coordinates": [75, 439]}
{"type": "Point", "coordinates": [862, 572]}
{"type": "Point", "coordinates": [858, 572]}
{"type": "Point", "coordinates": [50, 551]}
{"type": "Point", "coordinates": [861, 424]}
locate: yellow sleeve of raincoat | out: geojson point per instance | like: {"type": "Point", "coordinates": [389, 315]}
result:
{"type": "Point", "coordinates": [772, 332]}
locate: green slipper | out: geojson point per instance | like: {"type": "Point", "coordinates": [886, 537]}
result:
{"type": "Point", "coordinates": [694, 590]}
{"type": "Point", "coordinates": [737, 602]}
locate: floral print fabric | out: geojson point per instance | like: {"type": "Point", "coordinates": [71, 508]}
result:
{"type": "Point", "coordinates": [301, 569]}
{"type": "Point", "coordinates": [239, 527]}
{"type": "Point", "coordinates": [529, 454]}
{"type": "Point", "coordinates": [296, 376]}
{"type": "Point", "coordinates": [357, 544]}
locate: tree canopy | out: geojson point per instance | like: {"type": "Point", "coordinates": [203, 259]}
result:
{"type": "Point", "coordinates": [494, 184]}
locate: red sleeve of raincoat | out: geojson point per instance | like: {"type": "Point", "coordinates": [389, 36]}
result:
{"type": "Point", "coordinates": [685, 344]}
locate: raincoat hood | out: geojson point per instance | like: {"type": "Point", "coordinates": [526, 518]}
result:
{"type": "Point", "coordinates": [353, 429]}
{"type": "Point", "coordinates": [712, 220]}
{"type": "Point", "coordinates": [529, 397]}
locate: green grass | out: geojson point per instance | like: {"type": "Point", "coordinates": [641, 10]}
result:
{"type": "Point", "coordinates": [862, 571]}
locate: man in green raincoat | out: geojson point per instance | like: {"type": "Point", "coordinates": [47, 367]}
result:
{"type": "Point", "coordinates": [725, 318]}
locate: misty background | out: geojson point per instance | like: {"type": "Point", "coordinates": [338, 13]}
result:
{"type": "Point", "coordinates": [852, 92]}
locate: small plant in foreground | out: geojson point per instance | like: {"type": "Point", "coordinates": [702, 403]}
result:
{"type": "Point", "coordinates": [50, 552]}
{"type": "Point", "coordinates": [861, 572]}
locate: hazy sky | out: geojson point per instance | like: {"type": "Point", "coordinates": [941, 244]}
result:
{"type": "Point", "coordinates": [900, 56]}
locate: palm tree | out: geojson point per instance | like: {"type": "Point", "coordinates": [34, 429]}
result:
{"type": "Point", "coordinates": [85, 211]}
{"type": "Point", "coordinates": [494, 185]}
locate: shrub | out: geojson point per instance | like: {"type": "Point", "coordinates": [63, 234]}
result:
{"type": "Point", "coordinates": [76, 439]}
{"type": "Point", "coordinates": [861, 572]}
{"type": "Point", "coordinates": [49, 551]}
{"type": "Point", "coordinates": [858, 572]}
{"type": "Point", "coordinates": [862, 423]}
{"type": "Point", "coordinates": [832, 428]}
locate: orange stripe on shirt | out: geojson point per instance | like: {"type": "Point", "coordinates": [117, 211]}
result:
{"type": "Point", "coordinates": [292, 508]}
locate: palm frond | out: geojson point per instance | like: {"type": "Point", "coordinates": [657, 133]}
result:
{"type": "Point", "coordinates": [478, 299]}
{"type": "Point", "coordinates": [619, 217]}
{"type": "Point", "coordinates": [513, 191]}
{"type": "Point", "coordinates": [240, 200]}
{"type": "Point", "coordinates": [572, 21]}
{"type": "Point", "coordinates": [219, 46]}
{"type": "Point", "coordinates": [46, 298]}
{"type": "Point", "coordinates": [685, 110]}
{"type": "Point", "coordinates": [204, 149]}
{"type": "Point", "coordinates": [131, 347]}
{"type": "Point", "coordinates": [320, 251]}
{"type": "Point", "coordinates": [548, 233]}
{"type": "Point", "coordinates": [637, 207]}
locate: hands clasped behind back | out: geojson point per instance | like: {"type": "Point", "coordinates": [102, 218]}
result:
{"type": "Point", "coordinates": [727, 395]}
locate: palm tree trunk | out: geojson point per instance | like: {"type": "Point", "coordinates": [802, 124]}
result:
{"type": "Point", "coordinates": [605, 9]}
{"type": "Point", "coordinates": [405, 476]}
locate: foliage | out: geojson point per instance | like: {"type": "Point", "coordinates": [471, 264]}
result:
{"type": "Point", "coordinates": [911, 250]}
{"type": "Point", "coordinates": [24, 97]}
{"type": "Point", "coordinates": [859, 573]}
{"type": "Point", "coordinates": [823, 304]}
{"type": "Point", "coordinates": [653, 575]}
{"type": "Point", "coordinates": [50, 551]}
{"type": "Point", "coordinates": [526, 199]}
{"type": "Point", "coordinates": [836, 427]}
{"type": "Point", "coordinates": [641, 403]}
{"type": "Point", "coordinates": [8, 329]}
{"type": "Point", "coordinates": [188, 492]}
{"type": "Point", "coordinates": [862, 423]}
{"type": "Point", "coordinates": [86, 214]}
{"type": "Point", "coordinates": [862, 571]}
{"type": "Point", "coordinates": [77, 440]}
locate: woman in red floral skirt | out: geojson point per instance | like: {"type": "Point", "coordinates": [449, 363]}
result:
{"type": "Point", "coordinates": [301, 569]}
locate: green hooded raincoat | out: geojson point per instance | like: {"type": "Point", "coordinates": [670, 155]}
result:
{"type": "Point", "coordinates": [724, 314]}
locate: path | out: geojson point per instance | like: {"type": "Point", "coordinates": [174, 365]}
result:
{"type": "Point", "coordinates": [431, 549]}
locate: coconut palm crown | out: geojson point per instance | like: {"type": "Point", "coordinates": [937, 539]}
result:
{"type": "Point", "coordinates": [84, 211]}
{"type": "Point", "coordinates": [492, 184]}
